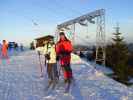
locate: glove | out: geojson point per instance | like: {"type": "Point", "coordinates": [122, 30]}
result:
{"type": "Point", "coordinates": [57, 58]}
{"type": "Point", "coordinates": [47, 56]}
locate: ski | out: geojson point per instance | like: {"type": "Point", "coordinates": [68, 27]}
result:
{"type": "Point", "coordinates": [55, 83]}
{"type": "Point", "coordinates": [51, 85]}
{"type": "Point", "coordinates": [67, 88]}
{"type": "Point", "coordinates": [48, 86]}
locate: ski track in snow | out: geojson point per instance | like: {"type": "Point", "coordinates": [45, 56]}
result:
{"type": "Point", "coordinates": [20, 80]}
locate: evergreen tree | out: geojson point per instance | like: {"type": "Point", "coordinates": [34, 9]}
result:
{"type": "Point", "coordinates": [121, 57]}
{"type": "Point", "coordinates": [117, 56]}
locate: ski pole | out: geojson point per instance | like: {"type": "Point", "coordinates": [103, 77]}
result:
{"type": "Point", "coordinates": [59, 69]}
{"type": "Point", "coordinates": [40, 62]}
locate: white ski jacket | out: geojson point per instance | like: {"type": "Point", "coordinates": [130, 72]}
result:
{"type": "Point", "coordinates": [50, 49]}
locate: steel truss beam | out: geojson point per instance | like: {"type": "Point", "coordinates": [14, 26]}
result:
{"type": "Point", "coordinates": [89, 17]}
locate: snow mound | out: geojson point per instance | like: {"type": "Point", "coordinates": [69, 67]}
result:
{"type": "Point", "coordinates": [75, 59]}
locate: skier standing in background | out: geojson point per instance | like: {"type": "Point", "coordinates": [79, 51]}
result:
{"type": "Point", "coordinates": [21, 47]}
{"type": "Point", "coordinates": [4, 51]}
{"type": "Point", "coordinates": [63, 50]}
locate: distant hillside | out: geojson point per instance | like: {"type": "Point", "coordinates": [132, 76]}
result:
{"type": "Point", "coordinates": [130, 47]}
{"type": "Point", "coordinates": [83, 47]}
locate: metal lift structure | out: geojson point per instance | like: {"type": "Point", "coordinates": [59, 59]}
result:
{"type": "Point", "coordinates": [96, 17]}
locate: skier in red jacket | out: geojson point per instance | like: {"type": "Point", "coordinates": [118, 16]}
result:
{"type": "Point", "coordinates": [63, 50]}
{"type": "Point", "coordinates": [4, 51]}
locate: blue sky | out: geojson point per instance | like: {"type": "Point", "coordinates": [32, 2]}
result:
{"type": "Point", "coordinates": [17, 17]}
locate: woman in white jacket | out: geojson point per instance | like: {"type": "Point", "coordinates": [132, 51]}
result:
{"type": "Point", "coordinates": [50, 57]}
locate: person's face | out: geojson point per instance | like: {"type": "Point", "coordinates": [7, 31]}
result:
{"type": "Point", "coordinates": [62, 37]}
{"type": "Point", "coordinates": [4, 41]}
{"type": "Point", "coordinates": [51, 42]}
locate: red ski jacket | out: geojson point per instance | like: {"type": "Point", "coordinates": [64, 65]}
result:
{"type": "Point", "coordinates": [63, 50]}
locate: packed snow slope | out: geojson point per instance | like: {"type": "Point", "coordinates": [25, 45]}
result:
{"type": "Point", "coordinates": [20, 80]}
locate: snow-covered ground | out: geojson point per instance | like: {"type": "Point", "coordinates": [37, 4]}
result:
{"type": "Point", "coordinates": [100, 68]}
{"type": "Point", "coordinates": [19, 80]}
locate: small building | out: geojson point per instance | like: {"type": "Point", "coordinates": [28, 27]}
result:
{"type": "Point", "coordinates": [40, 41]}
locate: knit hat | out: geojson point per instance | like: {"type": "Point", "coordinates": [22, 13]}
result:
{"type": "Point", "coordinates": [61, 33]}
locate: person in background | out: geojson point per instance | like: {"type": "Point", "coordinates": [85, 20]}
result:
{"type": "Point", "coordinates": [21, 47]}
{"type": "Point", "coordinates": [4, 51]}
{"type": "Point", "coordinates": [63, 50]}
{"type": "Point", "coordinates": [16, 46]}
{"type": "Point", "coordinates": [32, 46]}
